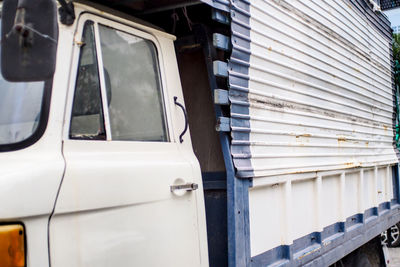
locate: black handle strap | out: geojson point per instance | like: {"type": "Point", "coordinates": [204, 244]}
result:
{"type": "Point", "coordinates": [186, 118]}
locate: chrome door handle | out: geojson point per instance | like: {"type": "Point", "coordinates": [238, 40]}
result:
{"type": "Point", "coordinates": [187, 187]}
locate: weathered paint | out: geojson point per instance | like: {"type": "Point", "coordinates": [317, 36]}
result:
{"type": "Point", "coordinates": [334, 242]}
{"type": "Point", "coordinates": [312, 120]}
{"type": "Point", "coordinates": [320, 95]}
{"type": "Point", "coordinates": [238, 81]}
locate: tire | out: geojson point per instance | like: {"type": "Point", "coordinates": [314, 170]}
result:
{"type": "Point", "coordinates": [394, 232]}
{"type": "Point", "coordinates": [384, 238]}
{"type": "Point", "coordinates": [391, 237]}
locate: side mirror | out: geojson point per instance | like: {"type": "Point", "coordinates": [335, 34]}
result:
{"type": "Point", "coordinates": [29, 34]}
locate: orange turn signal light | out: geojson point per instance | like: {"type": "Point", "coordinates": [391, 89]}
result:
{"type": "Point", "coordinates": [12, 246]}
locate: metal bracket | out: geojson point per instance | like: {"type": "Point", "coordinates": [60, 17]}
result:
{"type": "Point", "coordinates": [221, 97]}
{"type": "Point", "coordinates": [223, 124]}
{"type": "Point", "coordinates": [220, 17]}
{"type": "Point", "coordinates": [222, 42]}
{"type": "Point", "coordinates": [220, 68]}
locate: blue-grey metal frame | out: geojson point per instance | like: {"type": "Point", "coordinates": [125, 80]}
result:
{"type": "Point", "coordinates": [318, 248]}
{"type": "Point", "coordinates": [238, 188]}
{"type": "Point", "coordinates": [335, 241]}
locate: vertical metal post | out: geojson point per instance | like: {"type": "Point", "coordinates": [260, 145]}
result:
{"type": "Point", "coordinates": [239, 253]}
{"type": "Point", "coordinates": [288, 212]}
{"type": "Point", "coordinates": [318, 199]}
{"type": "Point", "coordinates": [342, 197]}
{"type": "Point", "coordinates": [361, 205]}
{"type": "Point", "coordinates": [237, 189]}
{"type": "Point", "coordinates": [103, 89]}
{"type": "Point", "coordinates": [375, 195]}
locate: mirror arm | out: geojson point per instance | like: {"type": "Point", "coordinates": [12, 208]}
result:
{"type": "Point", "coordinates": [67, 12]}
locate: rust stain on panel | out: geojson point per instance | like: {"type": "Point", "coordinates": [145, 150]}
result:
{"type": "Point", "coordinates": [264, 102]}
{"type": "Point", "coordinates": [303, 135]}
{"type": "Point", "coordinates": [309, 253]}
{"type": "Point", "coordinates": [385, 127]}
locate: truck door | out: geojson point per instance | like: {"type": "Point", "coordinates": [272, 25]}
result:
{"type": "Point", "coordinates": [128, 196]}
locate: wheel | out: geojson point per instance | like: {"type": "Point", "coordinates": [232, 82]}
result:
{"type": "Point", "coordinates": [384, 238]}
{"type": "Point", "coordinates": [394, 232]}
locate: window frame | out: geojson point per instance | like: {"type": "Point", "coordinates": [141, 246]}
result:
{"type": "Point", "coordinates": [91, 23]}
{"type": "Point", "coordinates": [128, 29]}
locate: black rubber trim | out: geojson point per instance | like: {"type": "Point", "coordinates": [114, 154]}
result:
{"type": "Point", "coordinates": [44, 116]}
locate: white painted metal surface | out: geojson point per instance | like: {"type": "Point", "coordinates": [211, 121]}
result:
{"type": "Point", "coordinates": [115, 207]}
{"type": "Point", "coordinates": [321, 109]}
{"type": "Point", "coordinates": [30, 177]}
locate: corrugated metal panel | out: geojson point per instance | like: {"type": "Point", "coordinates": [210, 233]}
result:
{"type": "Point", "coordinates": [239, 84]}
{"type": "Point", "coordinates": [237, 189]}
{"type": "Point", "coordinates": [376, 19]}
{"type": "Point", "coordinates": [320, 89]}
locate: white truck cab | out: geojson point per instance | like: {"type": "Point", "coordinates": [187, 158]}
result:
{"type": "Point", "coordinates": [108, 177]}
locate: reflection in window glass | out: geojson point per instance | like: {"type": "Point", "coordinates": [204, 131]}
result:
{"type": "Point", "coordinates": [87, 117]}
{"type": "Point", "coordinates": [20, 110]}
{"type": "Point", "coordinates": [135, 102]}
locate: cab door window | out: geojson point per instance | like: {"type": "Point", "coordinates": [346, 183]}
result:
{"type": "Point", "coordinates": [135, 105]}
{"type": "Point", "coordinates": [118, 93]}
{"type": "Point", "coordinates": [87, 113]}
